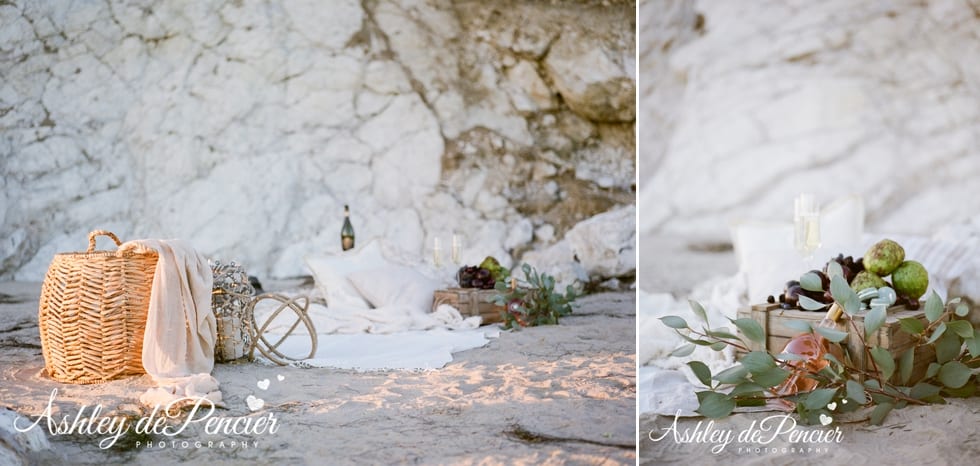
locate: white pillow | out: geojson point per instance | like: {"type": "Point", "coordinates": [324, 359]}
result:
{"type": "Point", "coordinates": [331, 271]}
{"type": "Point", "coordinates": [395, 285]}
{"type": "Point", "coordinates": [765, 253]}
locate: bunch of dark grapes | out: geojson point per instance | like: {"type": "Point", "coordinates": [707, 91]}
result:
{"type": "Point", "coordinates": [850, 266]}
{"type": "Point", "coordinates": [471, 276]}
{"type": "Point", "coordinates": [790, 298]}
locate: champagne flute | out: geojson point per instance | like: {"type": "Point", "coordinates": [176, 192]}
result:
{"type": "Point", "coordinates": [455, 249]}
{"type": "Point", "coordinates": [436, 252]}
{"type": "Point", "coordinates": [806, 226]}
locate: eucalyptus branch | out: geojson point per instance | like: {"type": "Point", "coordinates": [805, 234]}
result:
{"type": "Point", "coordinates": [723, 340]}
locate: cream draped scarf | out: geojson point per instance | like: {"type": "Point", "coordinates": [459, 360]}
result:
{"type": "Point", "coordinates": [181, 331]}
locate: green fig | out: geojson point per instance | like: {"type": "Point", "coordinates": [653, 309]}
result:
{"type": "Point", "coordinates": [911, 279]}
{"type": "Point", "coordinates": [884, 257]}
{"type": "Point", "coordinates": [865, 279]}
{"type": "Point", "coordinates": [491, 264]}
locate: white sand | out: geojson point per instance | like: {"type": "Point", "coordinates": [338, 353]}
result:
{"type": "Point", "coordinates": [572, 385]}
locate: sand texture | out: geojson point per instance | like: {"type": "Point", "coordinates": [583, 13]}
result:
{"type": "Point", "coordinates": [549, 395]}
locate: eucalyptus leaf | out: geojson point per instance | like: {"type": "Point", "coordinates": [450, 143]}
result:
{"type": "Point", "coordinates": [701, 371]}
{"type": "Point", "coordinates": [799, 325]}
{"type": "Point", "coordinates": [770, 377]}
{"type": "Point", "coordinates": [973, 345]}
{"type": "Point", "coordinates": [912, 325]}
{"type": "Point", "coordinates": [844, 295]}
{"type": "Point", "coordinates": [933, 369]}
{"type": "Point", "coordinates": [751, 329]}
{"type": "Point", "coordinates": [954, 374]}
{"type": "Point", "coordinates": [684, 350]}
{"type": "Point", "coordinates": [718, 345]}
{"type": "Point", "coordinates": [923, 390]}
{"type": "Point", "coordinates": [732, 375]}
{"type": "Point", "coordinates": [832, 358]}
{"type": "Point", "coordinates": [884, 361]}
{"type": "Point", "coordinates": [872, 384]}
{"type": "Point", "coordinates": [961, 328]}
{"type": "Point", "coordinates": [746, 388]}
{"type": "Point", "coordinates": [934, 307]}
{"type": "Point", "coordinates": [965, 391]}
{"type": "Point", "coordinates": [905, 364]}
{"type": "Point", "coordinates": [819, 398]}
{"type": "Point", "coordinates": [715, 405]}
{"type": "Point", "coordinates": [696, 341]}
{"type": "Point", "coordinates": [758, 361]}
{"type": "Point", "coordinates": [834, 269]}
{"type": "Point", "coordinates": [937, 332]}
{"type": "Point", "coordinates": [810, 304]}
{"type": "Point", "coordinates": [962, 309]}
{"type": "Point", "coordinates": [948, 347]}
{"type": "Point", "coordinates": [674, 322]}
{"type": "Point", "coordinates": [834, 335]}
{"type": "Point", "coordinates": [852, 306]}
{"type": "Point", "coordinates": [698, 310]}
{"type": "Point", "coordinates": [856, 392]}
{"type": "Point", "coordinates": [873, 320]}
{"type": "Point", "coordinates": [879, 413]}
{"type": "Point", "coordinates": [828, 373]}
{"type": "Point", "coordinates": [721, 333]}
{"type": "Point", "coordinates": [810, 281]}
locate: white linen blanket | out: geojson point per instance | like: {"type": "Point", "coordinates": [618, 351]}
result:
{"type": "Point", "coordinates": [414, 350]}
{"type": "Point", "coordinates": [181, 331]}
{"type": "Point", "coordinates": [395, 337]}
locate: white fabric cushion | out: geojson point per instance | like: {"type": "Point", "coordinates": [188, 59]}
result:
{"type": "Point", "coordinates": [765, 253]}
{"type": "Point", "coordinates": [395, 285]}
{"type": "Point", "coordinates": [331, 271]}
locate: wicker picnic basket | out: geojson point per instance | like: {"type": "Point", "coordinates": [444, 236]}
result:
{"type": "Point", "coordinates": [92, 313]}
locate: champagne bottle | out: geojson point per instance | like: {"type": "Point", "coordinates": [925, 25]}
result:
{"type": "Point", "coordinates": [347, 231]}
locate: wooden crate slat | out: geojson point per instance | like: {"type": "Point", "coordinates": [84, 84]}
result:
{"type": "Point", "coordinates": [773, 321]}
{"type": "Point", "coordinates": [470, 302]}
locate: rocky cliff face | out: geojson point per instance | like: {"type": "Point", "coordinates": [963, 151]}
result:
{"type": "Point", "coordinates": [245, 126]}
{"type": "Point", "coordinates": [745, 104]}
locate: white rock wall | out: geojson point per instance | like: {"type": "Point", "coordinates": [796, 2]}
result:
{"type": "Point", "coordinates": [245, 126]}
{"type": "Point", "coordinates": [877, 98]}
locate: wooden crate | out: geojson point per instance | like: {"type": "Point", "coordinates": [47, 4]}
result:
{"type": "Point", "coordinates": [890, 336]}
{"type": "Point", "coordinates": [471, 302]}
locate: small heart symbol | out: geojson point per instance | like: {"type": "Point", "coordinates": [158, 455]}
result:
{"type": "Point", "coordinates": [825, 419]}
{"type": "Point", "coordinates": [280, 378]}
{"type": "Point", "coordinates": [263, 384]}
{"type": "Point", "coordinates": [256, 404]}
{"type": "Point", "coordinates": [832, 406]}
{"type": "Point", "coordinates": [844, 401]}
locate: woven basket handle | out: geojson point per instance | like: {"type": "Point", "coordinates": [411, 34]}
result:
{"type": "Point", "coordinates": [92, 235]}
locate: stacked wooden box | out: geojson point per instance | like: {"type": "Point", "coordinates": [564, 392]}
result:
{"type": "Point", "coordinates": [773, 320]}
{"type": "Point", "coordinates": [471, 302]}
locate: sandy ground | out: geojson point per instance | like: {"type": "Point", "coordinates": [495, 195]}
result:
{"type": "Point", "coordinates": [937, 434]}
{"type": "Point", "coordinates": [548, 395]}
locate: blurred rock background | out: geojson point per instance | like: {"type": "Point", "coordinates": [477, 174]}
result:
{"type": "Point", "coordinates": [245, 126]}
{"type": "Point", "coordinates": [743, 105]}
